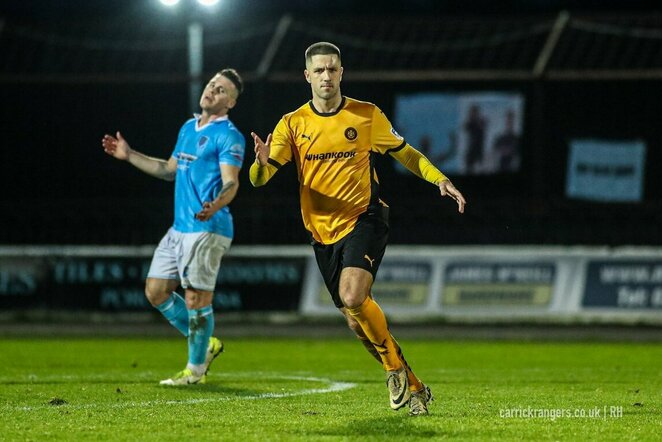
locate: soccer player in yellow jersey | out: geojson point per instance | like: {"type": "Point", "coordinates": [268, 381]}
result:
{"type": "Point", "coordinates": [332, 140]}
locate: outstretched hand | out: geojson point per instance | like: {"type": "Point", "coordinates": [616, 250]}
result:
{"type": "Point", "coordinates": [446, 188]}
{"type": "Point", "coordinates": [262, 149]}
{"type": "Point", "coordinates": [116, 146]}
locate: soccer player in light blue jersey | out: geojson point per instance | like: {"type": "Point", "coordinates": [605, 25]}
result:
{"type": "Point", "coordinates": [205, 166]}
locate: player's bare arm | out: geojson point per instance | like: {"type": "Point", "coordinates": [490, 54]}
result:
{"type": "Point", "coordinates": [262, 149]}
{"type": "Point", "coordinates": [446, 188]}
{"type": "Point", "coordinates": [117, 147]}
{"type": "Point", "coordinates": [230, 177]}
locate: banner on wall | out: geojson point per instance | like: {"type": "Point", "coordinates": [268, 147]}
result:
{"type": "Point", "coordinates": [621, 284]}
{"type": "Point", "coordinates": [503, 284]}
{"type": "Point", "coordinates": [463, 134]}
{"type": "Point", "coordinates": [117, 283]}
{"type": "Point", "coordinates": [606, 170]}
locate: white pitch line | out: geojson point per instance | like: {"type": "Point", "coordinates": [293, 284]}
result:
{"type": "Point", "coordinates": [331, 388]}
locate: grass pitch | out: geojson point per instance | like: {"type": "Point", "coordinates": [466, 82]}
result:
{"type": "Point", "coordinates": [327, 390]}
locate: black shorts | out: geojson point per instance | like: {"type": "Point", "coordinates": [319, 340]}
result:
{"type": "Point", "coordinates": [363, 247]}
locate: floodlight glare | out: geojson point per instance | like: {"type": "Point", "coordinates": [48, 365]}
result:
{"type": "Point", "coordinates": [208, 2]}
{"type": "Point", "coordinates": [169, 2]}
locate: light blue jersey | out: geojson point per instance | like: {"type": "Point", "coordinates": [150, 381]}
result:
{"type": "Point", "coordinates": [199, 153]}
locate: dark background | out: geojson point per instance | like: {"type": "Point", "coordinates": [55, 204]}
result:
{"type": "Point", "coordinates": [57, 101]}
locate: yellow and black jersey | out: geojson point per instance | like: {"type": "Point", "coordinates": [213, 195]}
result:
{"type": "Point", "coordinates": [333, 153]}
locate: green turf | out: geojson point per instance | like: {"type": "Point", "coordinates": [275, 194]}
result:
{"type": "Point", "coordinates": [275, 390]}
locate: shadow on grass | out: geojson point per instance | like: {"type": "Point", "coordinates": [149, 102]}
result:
{"type": "Point", "coordinates": [399, 425]}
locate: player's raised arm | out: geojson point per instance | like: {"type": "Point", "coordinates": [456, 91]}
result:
{"type": "Point", "coordinates": [262, 168]}
{"type": "Point", "coordinates": [117, 147]}
{"type": "Point", "coordinates": [262, 149]}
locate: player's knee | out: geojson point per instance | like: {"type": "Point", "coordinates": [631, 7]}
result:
{"type": "Point", "coordinates": [197, 299]}
{"type": "Point", "coordinates": [155, 294]}
{"type": "Point", "coordinates": [192, 301]}
{"type": "Point", "coordinates": [354, 286]}
{"type": "Point", "coordinates": [352, 298]}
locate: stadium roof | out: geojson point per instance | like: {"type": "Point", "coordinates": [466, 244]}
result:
{"type": "Point", "coordinates": [129, 48]}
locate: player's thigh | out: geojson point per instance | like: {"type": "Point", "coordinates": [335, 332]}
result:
{"type": "Point", "coordinates": [163, 276]}
{"type": "Point", "coordinates": [355, 284]}
{"type": "Point", "coordinates": [201, 260]}
{"type": "Point", "coordinates": [362, 256]}
{"type": "Point", "coordinates": [165, 258]}
{"type": "Point", "coordinates": [329, 262]}
{"type": "Point", "coordinates": [365, 246]}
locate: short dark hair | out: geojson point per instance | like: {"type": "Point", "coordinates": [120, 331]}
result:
{"type": "Point", "coordinates": [321, 48]}
{"type": "Point", "coordinates": [235, 78]}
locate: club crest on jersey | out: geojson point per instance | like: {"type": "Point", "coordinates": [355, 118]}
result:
{"type": "Point", "coordinates": [202, 142]}
{"type": "Point", "coordinates": [395, 134]}
{"type": "Point", "coordinates": [351, 134]}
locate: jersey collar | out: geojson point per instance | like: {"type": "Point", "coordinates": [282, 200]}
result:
{"type": "Point", "coordinates": [328, 114]}
{"type": "Point", "coordinates": [214, 121]}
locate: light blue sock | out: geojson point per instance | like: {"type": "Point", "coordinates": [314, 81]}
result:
{"type": "Point", "coordinates": [174, 310]}
{"type": "Point", "coordinates": [200, 329]}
